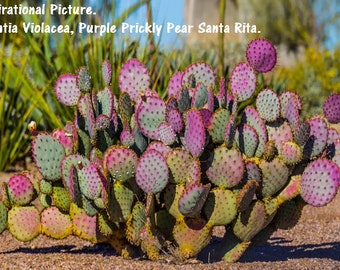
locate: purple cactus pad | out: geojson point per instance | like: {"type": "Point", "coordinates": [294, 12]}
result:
{"type": "Point", "coordinates": [261, 55]}
{"type": "Point", "coordinates": [331, 108]}
{"type": "Point", "coordinates": [67, 90]}
{"type": "Point", "coordinates": [320, 182]}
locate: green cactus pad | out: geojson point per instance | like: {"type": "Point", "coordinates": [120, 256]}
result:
{"type": "Point", "coordinates": [85, 109]}
{"type": "Point", "coordinates": [250, 222]}
{"type": "Point", "coordinates": [135, 223]}
{"type": "Point", "coordinates": [90, 181]}
{"type": "Point", "coordinates": [150, 114]}
{"type": "Point", "coordinates": [48, 152]}
{"type": "Point", "coordinates": [120, 162]}
{"type": "Point", "coordinates": [251, 117]}
{"type": "Point", "coordinates": [184, 100]}
{"type": "Point", "coordinates": [84, 80]}
{"type": "Point", "coordinates": [55, 224]}
{"type": "Point", "coordinates": [134, 79]}
{"type": "Point", "coordinates": [69, 168]}
{"type": "Point", "coordinates": [106, 227]}
{"type": "Point", "coordinates": [184, 168]}
{"type": "Point", "coordinates": [220, 207]}
{"type": "Point", "coordinates": [88, 206]}
{"type": "Point", "coordinates": [191, 235]}
{"type": "Point", "coordinates": [193, 199]}
{"type": "Point", "coordinates": [3, 217]}
{"type": "Point", "coordinates": [268, 105]}
{"type": "Point", "coordinates": [84, 226]}
{"type": "Point", "coordinates": [194, 135]}
{"type": "Point", "coordinates": [202, 73]}
{"type": "Point", "coordinates": [20, 190]}
{"type": "Point", "coordinates": [152, 172]}
{"type": "Point", "coordinates": [24, 222]}
{"type": "Point", "coordinates": [125, 106]}
{"type": "Point", "coordinates": [200, 97]}
{"type": "Point", "coordinates": [84, 143]}
{"type": "Point", "coordinates": [320, 182]}
{"type": "Point", "coordinates": [230, 131]}
{"type": "Point", "coordinates": [61, 198]}
{"type": "Point", "coordinates": [242, 82]}
{"type": "Point", "coordinates": [290, 153]}
{"type": "Point", "coordinates": [45, 200]}
{"type": "Point", "coordinates": [172, 195]}
{"type": "Point", "coordinates": [218, 125]}
{"type": "Point", "coordinates": [227, 167]}
{"type": "Point", "coordinates": [120, 203]}
{"type": "Point", "coordinates": [246, 195]}
{"type": "Point", "coordinates": [107, 72]}
{"type": "Point", "coordinates": [274, 176]}
{"type": "Point", "coordinates": [67, 90]}
{"type": "Point", "coordinates": [166, 133]}
{"type": "Point", "coordinates": [105, 102]}
{"type": "Point", "coordinates": [318, 136]}
{"type": "Point", "coordinates": [247, 139]}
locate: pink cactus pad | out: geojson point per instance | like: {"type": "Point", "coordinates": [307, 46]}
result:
{"type": "Point", "coordinates": [120, 162]}
{"type": "Point", "coordinates": [90, 181]}
{"type": "Point", "coordinates": [65, 138]}
{"type": "Point", "coordinates": [320, 182]}
{"type": "Point", "coordinates": [152, 172]}
{"type": "Point", "coordinates": [166, 134]}
{"type": "Point", "coordinates": [261, 55]}
{"type": "Point", "coordinates": [175, 84]}
{"type": "Point", "coordinates": [318, 137]}
{"type": "Point", "coordinates": [107, 72]}
{"type": "Point", "coordinates": [134, 79]}
{"type": "Point", "coordinates": [242, 82]}
{"type": "Point", "coordinates": [149, 115]}
{"type": "Point", "coordinates": [174, 118]}
{"type": "Point", "coordinates": [20, 190]}
{"type": "Point", "coordinates": [67, 90]}
{"type": "Point", "coordinates": [160, 147]}
{"type": "Point", "coordinates": [24, 222]}
{"type": "Point", "coordinates": [55, 224]}
{"type": "Point", "coordinates": [331, 108]}
{"type": "Point", "coordinates": [202, 73]}
{"type": "Point", "coordinates": [194, 136]}
{"type": "Point", "coordinates": [227, 167]}
{"type": "Point", "coordinates": [252, 117]}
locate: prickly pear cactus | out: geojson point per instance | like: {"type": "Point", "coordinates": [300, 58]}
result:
{"type": "Point", "coordinates": [142, 172]}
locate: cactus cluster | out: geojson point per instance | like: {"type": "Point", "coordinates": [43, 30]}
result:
{"type": "Point", "coordinates": [138, 171]}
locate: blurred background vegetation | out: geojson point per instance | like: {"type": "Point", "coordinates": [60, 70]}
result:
{"type": "Point", "coordinates": [31, 63]}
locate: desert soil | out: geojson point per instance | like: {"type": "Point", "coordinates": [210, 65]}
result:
{"type": "Point", "coordinates": [314, 243]}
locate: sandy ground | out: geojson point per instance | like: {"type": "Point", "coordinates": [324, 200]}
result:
{"type": "Point", "coordinates": [314, 243]}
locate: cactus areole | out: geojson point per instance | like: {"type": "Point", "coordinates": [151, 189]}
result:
{"type": "Point", "coordinates": [140, 172]}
